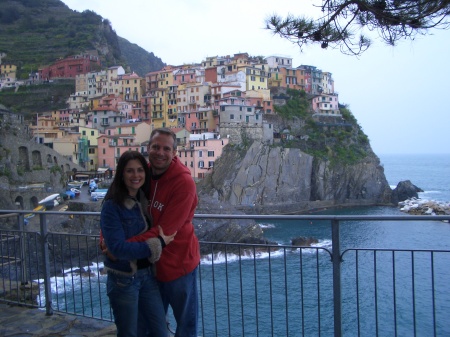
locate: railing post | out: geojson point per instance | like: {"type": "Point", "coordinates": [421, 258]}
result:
{"type": "Point", "coordinates": [337, 300]}
{"type": "Point", "coordinates": [46, 260]}
{"type": "Point", "coordinates": [23, 254]}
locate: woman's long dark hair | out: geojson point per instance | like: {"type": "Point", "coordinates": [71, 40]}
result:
{"type": "Point", "coordinates": [118, 191]}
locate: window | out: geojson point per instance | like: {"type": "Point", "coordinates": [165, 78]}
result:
{"type": "Point", "coordinates": [200, 154]}
{"type": "Point", "coordinates": [231, 116]}
{"type": "Point", "coordinates": [201, 164]}
{"type": "Point", "coordinates": [210, 164]}
{"type": "Point", "coordinates": [210, 153]}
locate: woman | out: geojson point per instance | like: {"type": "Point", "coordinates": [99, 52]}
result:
{"type": "Point", "coordinates": [131, 286]}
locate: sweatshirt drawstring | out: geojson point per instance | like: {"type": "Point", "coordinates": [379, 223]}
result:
{"type": "Point", "coordinates": [153, 198]}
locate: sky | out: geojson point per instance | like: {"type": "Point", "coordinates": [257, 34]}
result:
{"type": "Point", "coordinates": [397, 94]}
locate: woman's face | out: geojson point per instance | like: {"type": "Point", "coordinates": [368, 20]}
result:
{"type": "Point", "coordinates": [134, 176]}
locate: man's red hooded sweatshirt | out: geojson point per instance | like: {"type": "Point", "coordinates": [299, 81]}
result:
{"type": "Point", "coordinates": [172, 202]}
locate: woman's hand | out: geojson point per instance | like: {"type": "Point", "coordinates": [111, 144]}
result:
{"type": "Point", "coordinates": [167, 238]}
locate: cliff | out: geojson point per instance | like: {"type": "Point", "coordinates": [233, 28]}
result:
{"type": "Point", "coordinates": [274, 179]}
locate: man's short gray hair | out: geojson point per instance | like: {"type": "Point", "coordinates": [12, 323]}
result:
{"type": "Point", "coordinates": [164, 131]}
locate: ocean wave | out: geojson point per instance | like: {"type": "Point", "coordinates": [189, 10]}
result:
{"type": "Point", "coordinates": [430, 192]}
{"type": "Point", "coordinates": [220, 257]}
{"type": "Point", "coordinates": [72, 278]}
{"type": "Point", "coordinates": [266, 225]}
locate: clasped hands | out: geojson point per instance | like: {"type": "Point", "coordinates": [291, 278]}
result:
{"type": "Point", "coordinates": [167, 239]}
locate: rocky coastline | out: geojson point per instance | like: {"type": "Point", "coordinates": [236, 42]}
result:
{"type": "Point", "coordinates": [417, 206]}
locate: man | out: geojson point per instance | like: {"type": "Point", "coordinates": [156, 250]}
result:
{"type": "Point", "coordinates": [172, 202]}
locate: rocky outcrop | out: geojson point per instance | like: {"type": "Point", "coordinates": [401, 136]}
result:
{"type": "Point", "coordinates": [416, 206]}
{"type": "Point", "coordinates": [405, 190]}
{"type": "Point", "coordinates": [275, 180]}
{"type": "Point", "coordinates": [303, 241]}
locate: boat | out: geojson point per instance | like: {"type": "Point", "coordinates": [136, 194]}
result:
{"type": "Point", "coordinates": [64, 208]}
{"type": "Point", "coordinates": [75, 184]}
{"type": "Point", "coordinates": [52, 197]}
{"type": "Point", "coordinates": [98, 194]}
{"type": "Point", "coordinates": [92, 186]}
{"type": "Point", "coordinates": [76, 191]}
{"type": "Point", "coordinates": [39, 208]}
{"type": "Point", "coordinates": [51, 201]}
{"type": "Point", "coordinates": [70, 193]}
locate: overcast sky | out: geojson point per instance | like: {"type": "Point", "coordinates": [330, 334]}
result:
{"type": "Point", "coordinates": [397, 94]}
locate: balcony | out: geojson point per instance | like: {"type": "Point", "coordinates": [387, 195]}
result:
{"type": "Point", "coordinates": [255, 289]}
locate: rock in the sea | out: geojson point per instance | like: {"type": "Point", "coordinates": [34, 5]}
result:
{"type": "Point", "coordinates": [303, 241]}
{"type": "Point", "coordinates": [404, 190]}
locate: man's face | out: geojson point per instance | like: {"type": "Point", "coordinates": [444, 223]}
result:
{"type": "Point", "coordinates": [160, 152]}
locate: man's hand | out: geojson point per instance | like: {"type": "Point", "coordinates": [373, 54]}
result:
{"type": "Point", "coordinates": [105, 250]}
{"type": "Point", "coordinates": [167, 238]}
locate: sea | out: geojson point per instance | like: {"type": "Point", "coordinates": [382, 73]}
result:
{"type": "Point", "coordinates": [429, 172]}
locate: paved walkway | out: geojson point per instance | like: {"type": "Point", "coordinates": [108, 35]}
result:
{"type": "Point", "coordinates": [21, 321]}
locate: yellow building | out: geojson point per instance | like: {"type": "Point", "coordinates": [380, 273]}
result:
{"type": "Point", "coordinates": [158, 107]}
{"type": "Point", "coordinates": [210, 62]}
{"type": "Point", "coordinates": [67, 146]}
{"type": "Point", "coordinates": [256, 76]}
{"type": "Point", "coordinates": [133, 87]}
{"type": "Point", "coordinates": [113, 81]}
{"type": "Point", "coordinates": [91, 135]}
{"type": "Point", "coordinates": [160, 99]}
{"type": "Point", "coordinates": [8, 71]}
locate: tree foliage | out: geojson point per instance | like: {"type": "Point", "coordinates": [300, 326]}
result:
{"type": "Point", "coordinates": [344, 22]}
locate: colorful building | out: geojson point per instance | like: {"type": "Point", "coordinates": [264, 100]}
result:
{"type": "Point", "coordinates": [70, 67]}
{"type": "Point", "coordinates": [200, 153]}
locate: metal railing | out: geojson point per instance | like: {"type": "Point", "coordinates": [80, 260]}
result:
{"type": "Point", "coordinates": [251, 289]}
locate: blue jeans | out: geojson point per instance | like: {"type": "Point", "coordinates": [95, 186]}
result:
{"type": "Point", "coordinates": [136, 304]}
{"type": "Point", "coordinates": [182, 296]}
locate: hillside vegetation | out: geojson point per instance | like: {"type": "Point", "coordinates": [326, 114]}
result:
{"type": "Point", "coordinates": [38, 98]}
{"type": "Point", "coordinates": [34, 34]}
{"type": "Point", "coordinates": [329, 138]}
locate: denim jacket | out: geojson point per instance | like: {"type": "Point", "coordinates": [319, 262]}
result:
{"type": "Point", "coordinates": [119, 223]}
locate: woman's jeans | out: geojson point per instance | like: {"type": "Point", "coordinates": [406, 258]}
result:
{"type": "Point", "coordinates": [136, 304]}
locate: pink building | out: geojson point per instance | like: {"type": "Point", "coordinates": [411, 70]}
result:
{"type": "Point", "coordinates": [119, 139]}
{"type": "Point", "coordinates": [111, 147]}
{"type": "Point", "coordinates": [201, 152]}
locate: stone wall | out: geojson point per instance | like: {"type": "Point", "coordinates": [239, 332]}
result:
{"type": "Point", "coordinates": [238, 133]}
{"type": "Point", "coordinates": [29, 171]}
